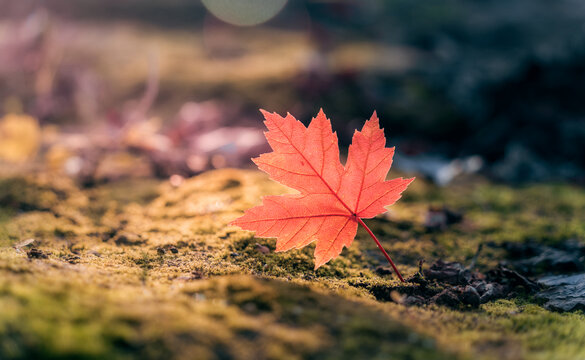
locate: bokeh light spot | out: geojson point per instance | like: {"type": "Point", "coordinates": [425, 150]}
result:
{"type": "Point", "coordinates": [244, 12]}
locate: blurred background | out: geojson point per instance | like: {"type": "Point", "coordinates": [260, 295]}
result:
{"type": "Point", "coordinates": [102, 90]}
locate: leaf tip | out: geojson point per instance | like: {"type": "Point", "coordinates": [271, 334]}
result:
{"type": "Point", "coordinates": [321, 116]}
{"type": "Point", "coordinates": [322, 258]}
{"type": "Point", "coordinates": [268, 117]}
{"type": "Point", "coordinates": [371, 126]}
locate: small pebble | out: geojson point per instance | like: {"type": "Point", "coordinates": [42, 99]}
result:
{"type": "Point", "coordinates": [262, 249]}
{"type": "Point", "coordinates": [470, 296]}
{"type": "Point", "coordinates": [446, 297]}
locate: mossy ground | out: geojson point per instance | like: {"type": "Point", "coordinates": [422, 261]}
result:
{"type": "Point", "coordinates": [141, 269]}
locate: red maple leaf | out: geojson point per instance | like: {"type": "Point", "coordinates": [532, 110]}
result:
{"type": "Point", "coordinates": [332, 198]}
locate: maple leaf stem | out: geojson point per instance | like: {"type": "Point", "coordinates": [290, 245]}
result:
{"type": "Point", "coordinates": [381, 248]}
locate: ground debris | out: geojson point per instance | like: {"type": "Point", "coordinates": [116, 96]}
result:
{"type": "Point", "coordinates": [470, 296]}
{"type": "Point", "coordinates": [95, 253]}
{"type": "Point", "coordinates": [511, 279]}
{"type": "Point", "coordinates": [22, 244]}
{"type": "Point", "coordinates": [129, 239]}
{"type": "Point", "coordinates": [449, 272]}
{"type": "Point", "coordinates": [35, 253]}
{"type": "Point", "coordinates": [162, 250]}
{"type": "Point", "coordinates": [194, 275]}
{"type": "Point", "coordinates": [384, 270]}
{"type": "Point", "coordinates": [448, 297]}
{"type": "Point", "coordinates": [71, 259]}
{"type": "Point", "coordinates": [453, 285]}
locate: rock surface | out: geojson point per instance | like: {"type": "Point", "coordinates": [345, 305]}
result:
{"type": "Point", "coordinates": [565, 292]}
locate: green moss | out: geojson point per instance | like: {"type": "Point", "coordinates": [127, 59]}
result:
{"type": "Point", "coordinates": [6, 214]}
{"type": "Point", "coordinates": [531, 325]}
{"type": "Point", "coordinates": [144, 270]}
{"type": "Point", "coordinates": [345, 329]}
{"type": "Point", "coordinates": [239, 317]}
